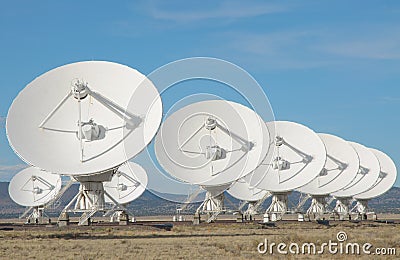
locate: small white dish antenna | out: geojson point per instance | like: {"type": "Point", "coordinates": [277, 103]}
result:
{"type": "Point", "coordinates": [32, 187]}
{"type": "Point", "coordinates": [298, 158]}
{"type": "Point", "coordinates": [212, 143]}
{"type": "Point", "coordinates": [367, 174]}
{"type": "Point", "coordinates": [252, 196]}
{"type": "Point", "coordinates": [340, 169]}
{"type": "Point", "coordinates": [127, 184]}
{"type": "Point", "coordinates": [73, 119]}
{"type": "Point", "coordinates": [241, 190]}
{"type": "Point", "coordinates": [386, 179]}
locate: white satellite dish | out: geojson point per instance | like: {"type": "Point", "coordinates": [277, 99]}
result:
{"type": "Point", "coordinates": [241, 190]}
{"type": "Point", "coordinates": [366, 177]}
{"type": "Point", "coordinates": [367, 174]}
{"type": "Point", "coordinates": [386, 180]}
{"type": "Point", "coordinates": [127, 184]}
{"type": "Point", "coordinates": [298, 157]}
{"type": "Point", "coordinates": [34, 188]}
{"type": "Point", "coordinates": [341, 167]}
{"type": "Point", "coordinates": [212, 143]}
{"type": "Point", "coordinates": [73, 120]}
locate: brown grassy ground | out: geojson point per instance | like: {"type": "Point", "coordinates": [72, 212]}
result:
{"type": "Point", "coordinates": [184, 241]}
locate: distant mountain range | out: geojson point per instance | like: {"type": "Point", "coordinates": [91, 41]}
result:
{"type": "Point", "coordinates": [152, 203]}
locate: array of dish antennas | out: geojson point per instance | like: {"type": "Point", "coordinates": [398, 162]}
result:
{"type": "Point", "coordinates": [221, 145]}
{"type": "Point", "coordinates": [76, 120]}
{"type": "Point", "coordinates": [86, 120]}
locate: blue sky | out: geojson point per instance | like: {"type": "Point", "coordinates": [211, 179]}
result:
{"type": "Point", "coordinates": [331, 65]}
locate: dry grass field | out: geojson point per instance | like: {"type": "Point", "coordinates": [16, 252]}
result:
{"type": "Point", "coordinates": [185, 241]}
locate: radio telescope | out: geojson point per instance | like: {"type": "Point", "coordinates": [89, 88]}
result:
{"type": "Point", "coordinates": [34, 188]}
{"type": "Point", "coordinates": [74, 120]}
{"type": "Point", "coordinates": [298, 158]}
{"type": "Point", "coordinates": [212, 143]}
{"type": "Point", "coordinates": [386, 179]}
{"type": "Point", "coordinates": [366, 177]}
{"type": "Point", "coordinates": [127, 184]}
{"type": "Point", "coordinates": [340, 169]}
{"type": "Point", "coordinates": [241, 190]}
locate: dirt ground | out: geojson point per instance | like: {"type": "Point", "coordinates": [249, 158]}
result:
{"type": "Point", "coordinates": [185, 241]}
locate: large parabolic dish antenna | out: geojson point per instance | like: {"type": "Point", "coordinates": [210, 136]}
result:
{"type": "Point", "coordinates": [298, 158]}
{"type": "Point", "coordinates": [340, 169]}
{"type": "Point", "coordinates": [367, 174]}
{"type": "Point", "coordinates": [212, 142]}
{"type": "Point", "coordinates": [73, 120]}
{"type": "Point", "coordinates": [387, 177]}
{"type": "Point", "coordinates": [32, 187]}
{"type": "Point", "coordinates": [127, 184]}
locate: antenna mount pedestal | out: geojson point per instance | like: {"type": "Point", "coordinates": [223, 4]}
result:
{"type": "Point", "coordinates": [342, 207]}
{"type": "Point", "coordinates": [251, 210]}
{"type": "Point", "coordinates": [91, 196]}
{"type": "Point", "coordinates": [36, 216]}
{"type": "Point", "coordinates": [318, 206]}
{"type": "Point", "coordinates": [361, 208]}
{"type": "Point", "coordinates": [278, 206]}
{"type": "Point", "coordinates": [213, 205]}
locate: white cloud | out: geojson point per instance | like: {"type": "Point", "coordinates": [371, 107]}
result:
{"type": "Point", "coordinates": [267, 43]}
{"type": "Point", "coordinates": [390, 99]}
{"type": "Point", "coordinates": [174, 14]}
{"type": "Point", "coordinates": [382, 48]}
{"type": "Point", "coordinates": [304, 49]}
{"type": "Point", "coordinates": [225, 10]}
{"type": "Point", "coordinates": [375, 41]}
{"type": "Point", "coordinates": [276, 50]}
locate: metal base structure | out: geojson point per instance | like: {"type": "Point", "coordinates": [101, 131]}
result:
{"type": "Point", "coordinates": [317, 207]}
{"type": "Point", "coordinates": [251, 210]}
{"type": "Point", "coordinates": [278, 207]}
{"type": "Point", "coordinates": [186, 205]}
{"type": "Point", "coordinates": [361, 207]}
{"type": "Point", "coordinates": [36, 215]}
{"type": "Point", "coordinates": [342, 208]}
{"type": "Point", "coordinates": [178, 217]}
{"type": "Point", "coordinates": [302, 218]}
{"type": "Point", "coordinates": [121, 215]}
{"type": "Point", "coordinates": [253, 207]}
{"type": "Point", "coordinates": [362, 211]}
{"type": "Point", "coordinates": [213, 205]}
{"type": "Point", "coordinates": [90, 198]}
